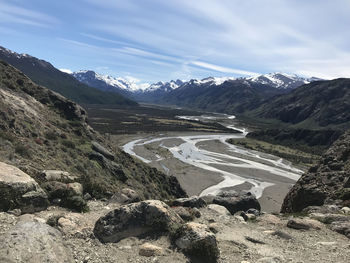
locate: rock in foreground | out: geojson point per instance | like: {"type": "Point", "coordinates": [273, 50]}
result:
{"type": "Point", "coordinates": [198, 242]}
{"type": "Point", "coordinates": [33, 242]}
{"type": "Point", "coordinates": [146, 217]}
{"type": "Point", "coordinates": [19, 190]}
{"type": "Point", "coordinates": [236, 203]}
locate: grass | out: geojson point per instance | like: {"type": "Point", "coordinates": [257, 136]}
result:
{"type": "Point", "coordinates": [295, 156]}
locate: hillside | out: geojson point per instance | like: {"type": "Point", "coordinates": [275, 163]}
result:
{"type": "Point", "coordinates": [326, 183]}
{"type": "Point", "coordinates": [43, 73]}
{"type": "Point", "coordinates": [41, 130]}
{"type": "Point", "coordinates": [232, 96]}
{"type": "Point", "coordinates": [316, 105]}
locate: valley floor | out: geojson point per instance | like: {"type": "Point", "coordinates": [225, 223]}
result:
{"type": "Point", "coordinates": [206, 164]}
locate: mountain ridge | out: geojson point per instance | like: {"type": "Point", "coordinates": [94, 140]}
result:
{"type": "Point", "coordinates": [45, 74]}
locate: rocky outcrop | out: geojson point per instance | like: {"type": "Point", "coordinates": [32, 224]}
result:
{"type": "Point", "coordinates": [146, 217]}
{"type": "Point", "coordinates": [59, 176]}
{"type": "Point", "coordinates": [32, 242]}
{"type": "Point", "coordinates": [193, 201]}
{"type": "Point", "coordinates": [66, 195]}
{"type": "Point", "coordinates": [198, 242]}
{"type": "Point", "coordinates": [325, 183]}
{"type": "Point", "coordinates": [126, 196]}
{"type": "Point", "coordinates": [235, 203]}
{"type": "Point", "coordinates": [102, 150]}
{"type": "Point", "coordinates": [19, 190]}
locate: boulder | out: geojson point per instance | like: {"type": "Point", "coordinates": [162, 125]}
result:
{"type": "Point", "coordinates": [59, 176]}
{"type": "Point", "coordinates": [238, 203]}
{"type": "Point", "coordinates": [184, 212]}
{"type": "Point", "coordinates": [329, 218]}
{"type": "Point", "coordinates": [198, 242]}
{"type": "Point", "coordinates": [136, 219]}
{"type": "Point", "coordinates": [193, 201]}
{"type": "Point", "coordinates": [221, 210]}
{"type": "Point", "coordinates": [253, 212]}
{"type": "Point", "coordinates": [32, 242]}
{"type": "Point", "coordinates": [19, 191]}
{"type": "Point", "coordinates": [149, 250]}
{"type": "Point", "coordinates": [345, 210]}
{"type": "Point", "coordinates": [304, 223]}
{"type": "Point", "coordinates": [102, 150]}
{"type": "Point", "coordinates": [126, 196]}
{"type": "Point", "coordinates": [66, 195]}
{"type": "Point", "coordinates": [341, 227]}
{"type": "Point", "coordinates": [76, 188]}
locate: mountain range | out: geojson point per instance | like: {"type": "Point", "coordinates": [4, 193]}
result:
{"type": "Point", "coordinates": [45, 74]}
{"type": "Point", "coordinates": [223, 94]}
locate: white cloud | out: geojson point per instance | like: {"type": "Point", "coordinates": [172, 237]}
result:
{"type": "Point", "coordinates": [223, 69]}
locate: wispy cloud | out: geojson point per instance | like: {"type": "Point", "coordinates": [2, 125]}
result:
{"type": "Point", "coordinates": [157, 39]}
{"type": "Point", "coordinates": [223, 69]}
{"type": "Point", "coordinates": [10, 13]}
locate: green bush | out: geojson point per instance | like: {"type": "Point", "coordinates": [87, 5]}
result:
{"type": "Point", "coordinates": [22, 150]}
{"type": "Point", "coordinates": [69, 144]}
{"type": "Point", "coordinates": [51, 135]}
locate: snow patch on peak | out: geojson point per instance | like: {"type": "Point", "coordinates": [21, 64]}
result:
{"type": "Point", "coordinates": [279, 80]}
{"type": "Point", "coordinates": [65, 70]}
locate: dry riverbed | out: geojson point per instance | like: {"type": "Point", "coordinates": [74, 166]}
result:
{"type": "Point", "coordinates": [207, 164]}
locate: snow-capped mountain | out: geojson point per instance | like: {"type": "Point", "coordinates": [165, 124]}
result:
{"type": "Point", "coordinates": [165, 86]}
{"type": "Point", "coordinates": [108, 83]}
{"type": "Point", "coordinates": [280, 80]}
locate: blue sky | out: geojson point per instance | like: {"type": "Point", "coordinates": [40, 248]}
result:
{"type": "Point", "coordinates": [153, 40]}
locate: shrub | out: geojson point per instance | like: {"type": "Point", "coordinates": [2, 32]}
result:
{"type": "Point", "coordinates": [51, 135]}
{"type": "Point", "coordinates": [68, 144]}
{"type": "Point", "coordinates": [22, 150]}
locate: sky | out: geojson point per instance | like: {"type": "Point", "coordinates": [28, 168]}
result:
{"type": "Point", "coordinates": [158, 40]}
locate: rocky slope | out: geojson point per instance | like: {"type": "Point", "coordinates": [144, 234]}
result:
{"type": "Point", "coordinates": [45, 74]}
{"type": "Point", "coordinates": [215, 235]}
{"type": "Point", "coordinates": [328, 182]}
{"type": "Point", "coordinates": [315, 105]}
{"type": "Point", "coordinates": [41, 130]}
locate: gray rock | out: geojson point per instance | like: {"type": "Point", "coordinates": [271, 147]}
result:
{"type": "Point", "coordinates": [329, 218]}
{"type": "Point", "coordinates": [184, 212]}
{"type": "Point", "coordinates": [102, 150]}
{"type": "Point", "coordinates": [325, 209]}
{"type": "Point", "coordinates": [68, 195]}
{"type": "Point", "coordinates": [253, 211]}
{"type": "Point", "coordinates": [198, 242]}
{"type": "Point", "coordinates": [19, 191]}
{"type": "Point", "coordinates": [304, 223]}
{"type": "Point", "coordinates": [76, 188]}
{"type": "Point", "coordinates": [219, 209]}
{"type": "Point", "coordinates": [341, 227]}
{"type": "Point", "coordinates": [59, 176]}
{"type": "Point", "coordinates": [345, 210]}
{"type": "Point", "coordinates": [146, 217]}
{"type": "Point", "coordinates": [32, 242]}
{"type": "Point", "coordinates": [238, 203]}
{"type": "Point", "coordinates": [126, 196]}
{"type": "Point", "coordinates": [149, 250]}
{"type": "Point", "coordinates": [193, 201]}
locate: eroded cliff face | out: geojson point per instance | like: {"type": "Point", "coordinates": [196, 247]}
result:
{"type": "Point", "coordinates": [326, 183]}
{"type": "Point", "coordinates": [42, 130]}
